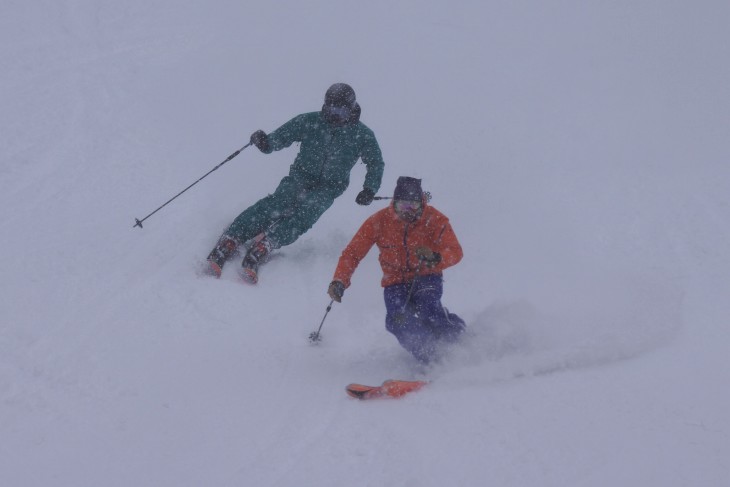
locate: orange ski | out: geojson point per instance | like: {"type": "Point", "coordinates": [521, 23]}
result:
{"type": "Point", "coordinates": [388, 389]}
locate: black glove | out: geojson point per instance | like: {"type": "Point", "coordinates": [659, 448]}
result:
{"type": "Point", "coordinates": [428, 256]}
{"type": "Point", "coordinates": [365, 197]}
{"type": "Point", "coordinates": [336, 290]}
{"type": "Point", "coordinates": [261, 140]}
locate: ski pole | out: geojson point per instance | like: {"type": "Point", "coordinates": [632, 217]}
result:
{"type": "Point", "coordinates": [402, 315]}
{"type": "Point", "coordinates": [139, 222]}
{"type": "Point", "coordinates": [413, 286]}
{"type": "Point", "coordinates": [314, 337]}
{"type": "Point", "coordinates": [376, 198]}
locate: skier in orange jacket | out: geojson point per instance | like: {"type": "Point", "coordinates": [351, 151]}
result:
{"type": "Point", "coordinates": [416, 244]}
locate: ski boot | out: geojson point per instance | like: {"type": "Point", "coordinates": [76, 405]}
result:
{"type": "Point", "coordinates": [256, 255]}
{"type": "Point", "coordinates": [224, 250]}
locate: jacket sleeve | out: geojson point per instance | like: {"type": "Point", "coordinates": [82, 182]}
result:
{"type": "Point", "coordinates": [372, 157]}
{"type": "Point", "coordinates": [356, 250]}
{"type": "Point", "coordinates": [448, 246]}
{"type": "Point", "coordinates": [287, 134]}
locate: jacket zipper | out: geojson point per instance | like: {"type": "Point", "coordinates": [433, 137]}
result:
{"type": "Point", "coordinates": [328, 155]}
{"type": "Point", "coordinates": [405, 247]}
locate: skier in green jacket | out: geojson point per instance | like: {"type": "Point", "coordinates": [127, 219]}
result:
{"type": "Point", "coordinates": [332, 140]}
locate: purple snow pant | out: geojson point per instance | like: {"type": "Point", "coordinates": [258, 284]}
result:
{"type": "Point", "coordinates": [425, 324]}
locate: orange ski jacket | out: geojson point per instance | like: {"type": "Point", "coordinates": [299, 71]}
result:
{"type": "Point", "coordinates": [397, 241]}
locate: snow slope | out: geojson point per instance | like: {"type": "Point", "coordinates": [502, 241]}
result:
{"type": "Point", "coordinates": [579, 148]}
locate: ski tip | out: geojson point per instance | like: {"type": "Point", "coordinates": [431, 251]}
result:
{"type": "Point", "coordinates": [399, 388]}
{"type": "Point", "coordinates": [249, 276]}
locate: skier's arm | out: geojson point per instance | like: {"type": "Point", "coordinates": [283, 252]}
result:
{"type": "Point", "coordinates": [355, 251]}
{"type": "Point", "coordinates": [287, 134]}
{"type": "Point", "coordinates": [373, 159]}
{"type": "Point", "coordinates": [448, 246]}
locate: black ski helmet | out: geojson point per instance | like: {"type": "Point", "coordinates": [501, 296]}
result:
{"type": "Point", "coordinates": [340, 107]}
{"type": "Point", "coordinates": [340, 95]}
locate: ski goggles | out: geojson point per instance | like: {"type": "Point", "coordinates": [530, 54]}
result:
{"type": "Point", "coordinates": [405, 206]}
{"type": "Point", "coordinates": [338, 112]}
